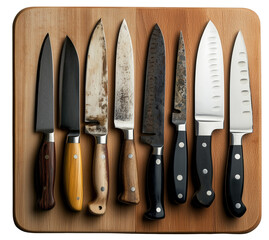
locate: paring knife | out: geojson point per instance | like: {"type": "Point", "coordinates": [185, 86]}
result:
{"type": "Point", "coordinates": [179, 165]}
{"type": "Point", "coordinates": [153, 123]}
{"type": "Point", "coordinates": [96, 118]}
{"type": "Point", "coordinates": [209, 109]}
{"type": "Point", "coordinates": [124, 116]}
{"type": "Point", "coordinates": [45, 172]}
{"type": "Point", "coordinates": [70, 120]}
{"type": "Point", "coordinates": [240, 124]}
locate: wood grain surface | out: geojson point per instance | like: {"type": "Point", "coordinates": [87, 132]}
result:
{"type": "Point", "coordinates": [30, 27]}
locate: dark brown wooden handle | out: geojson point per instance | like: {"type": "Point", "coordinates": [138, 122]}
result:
{"type": "Point", "coordinates": [129, 177]}
{"type": "Point", "coordinates": [46, 176]}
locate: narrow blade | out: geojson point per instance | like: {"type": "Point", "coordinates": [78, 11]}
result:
{"type": "Point", "coordinates": [209, 77]}
{"type": "Point", "coordinates": [240, 95]}
{"type": "Point", "coordinates": [179, 114]}
{"type": "Point", "coordinates": [96, 84]}
{"type": "Point", "coordinates": [44, 90]}
{"type": "Point", "coordinates": [124, 89]}
{"type": "Point", "coordinates": [69, 87]}
{"type": "Point", "coordinates": [153, 114]}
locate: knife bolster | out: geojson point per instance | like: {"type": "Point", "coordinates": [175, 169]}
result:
{"type": "Point", "coordinates": [128, 134]}
{"type": "Point", "coordinates": [236, 138]}
{"type": "Point", "coordinates": [205, 128]}
{"type": "Point", "coordinates": [72, 138]}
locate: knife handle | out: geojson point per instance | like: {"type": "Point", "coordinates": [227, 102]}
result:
{"type": "Point", "coordinates": [235, 181]}
{"type": "Point", "coordinates": [180, 168]}
{"type": "Point", "coordinates": [154, 186]}
{"type": "Point", "coordinates": [46, 173]}
{"type": "Point", "coordinates": [100, 177]}
{"type": "Point", "coordinates": [73, 176]}
{"type": "Point", "coordinates": [205, 195]}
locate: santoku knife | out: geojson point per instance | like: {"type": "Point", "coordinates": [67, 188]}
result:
{"type": "Point", "coordinates": [153, 123]}
{"type": "Point", "coordinates": [179, 164]}
{"type": "Point", "coordinates": [240, 124]}
{"type": "Point", "coordinates": [209, 109]}
{"type": "Point", "coordinates": [124, 116]}
{"type": "Point", "coordinates": [96, 118]}
{"type": "Point", "coordinates": [45, 172]}
{"type": "Point", "coordinates": [70, 120]}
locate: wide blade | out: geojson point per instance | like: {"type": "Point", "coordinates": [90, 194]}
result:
{"type": "Point", "coordinates": [240, 95]}
{"type": "Point", "coordinates": [124, 89]}
{"type": "Point", "coordinates": [96, 84]}
{"type": "Point", "coordinates": [69, 87]}
{"type": "Point", "coordinates": [179, 114]}
{"type": "Point", "coordinates": [209, 77]}
{"type": "Point", "coordinates": [44, 90]}
{"type": "Point", "coordinates": [153, 114]}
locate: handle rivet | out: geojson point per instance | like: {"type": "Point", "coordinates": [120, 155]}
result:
{"type": "Point", "coordinates": [181, 144]}
{"type": "Point", "coordinates": [132, 189]}
{"type": "Point", "coordinates": [208, 193]}
{"type": "Point", "coordinates": [103, 156]}
{"type": "Point", "coordinates": [78, 198]}
{"type": "Point", "coordinates": [46, 157]}
{"type": "Point", "coordinates": [158, 209]}
{"type": "Point", "coordinates": [237, 156]}
{"type": "Point", "coordinates": [179, 177]}
{"type": "Point", "coordinates": [205, 171]}
{"type": "Point", "coordinates": [102, 189]}
{"type": "Point", "coordinates": [130, 155]}
{"type": "Point", "coordinates": [75, 156]}
{"type": "Point", "coordinates": [180, 195]}
{"type": "Point", "coordinates": [237, 176]}
{"type": "Point", "coordinates": [204, 144]}
{"type": "Point", "coordinates": [158, 161]}
{"type": "Point", "coordinates": [238, 205]}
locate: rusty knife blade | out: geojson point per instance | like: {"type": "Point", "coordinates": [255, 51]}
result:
{"type": "Point", "coordinates": [96, 101]}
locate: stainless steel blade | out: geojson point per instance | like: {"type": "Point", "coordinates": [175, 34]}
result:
{"type": "Point", "coordinates": [124, 86]}
{"type": "Point", "coordinates": [153, 114]}
{"type": "Point", "coordinates": [44, 90]}
{"type": "Point", "coordinates": [209, 83]}
{"type": "Point", "coordinates": [180, 93]}
{"type": "Point", "coordinates": [96, 102]}
{"type": "Point", "coordinates": [69, 87]}
{"type": "Point", "coordinates": [240, 95]}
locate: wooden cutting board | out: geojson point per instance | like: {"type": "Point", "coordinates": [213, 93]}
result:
{"type": "Point", "coordinates": [30, 27]}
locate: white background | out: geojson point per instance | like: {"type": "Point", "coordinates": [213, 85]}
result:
{"type": "Point", "coordinates": [9, 10]}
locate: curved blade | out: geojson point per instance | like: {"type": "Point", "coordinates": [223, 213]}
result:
{"type": "Point", "coordinates": [69, 87]}
{"type": "Point", "coordinates": [153, 114]}
{"type": "Point", "coordinates": [209, 77]}
{"type": "Point", "coordinates": [44, 90]}
{"type": "Point", "coordinates": [96, 84]}
{"type": "Point", "coordinates": [179, 114]}
{"type": "Point", "coordinates": [240, 95]}
{"type": "Point", "coordinates": [124, 89]}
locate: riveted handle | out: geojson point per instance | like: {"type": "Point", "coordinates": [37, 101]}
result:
{"type": "Point", "coordinates": [204, 196]}
{"type": "Point", "coordinates": [73, 177]}
{"type": "Point", "coordinates": [235, 181]}
{"type": "Point", "coordinates": [100, 180]}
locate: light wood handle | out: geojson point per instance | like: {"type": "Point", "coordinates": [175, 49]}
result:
{"type": "Point", "coordinates": [129, 177]}
{"type": "Point", "coordinates": [100, 180]}
{"type": "Point", "coordinates": [73, 177]}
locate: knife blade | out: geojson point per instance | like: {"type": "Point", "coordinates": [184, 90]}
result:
{"type": "Point", "coordinates": [96, 118]}
{"type": "Point", "coordinates": [179, 161]}
{"type": "Point", "coordinates": [209, 109]}
{"type": "Point", "coordinates": [124, 116]}
{"type": "Point", "coordinates": [70, 120]}
{"type": "Point", "coordinates": [241, 123]}
{"type": "Point", "coordinates": [45, 172]}
{"type": "Point", "coordinates": [153, 123]}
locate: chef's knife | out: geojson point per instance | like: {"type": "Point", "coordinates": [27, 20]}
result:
{"type": "Point", "coordinates": [45, 174]}
{"type": "Point", "coordinates": [209, 109]}
{"type": "Point", "coordinates": [124, 116]}
{"type": "Point", "coordinates": [96, 118]}
{"type": "Point", "coordinates": [179, 165]}
{"type": "Point", "coordinates": [153, 123]}
{"type": "Point", "coordinates": [240, 124]}
{"type": "Point", "coordinates": [70, 120]}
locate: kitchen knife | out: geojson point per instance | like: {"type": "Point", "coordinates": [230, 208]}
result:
{"type": "Point", "coordinates": [45, 172]}
{"type": "Point", "coordinates": [70, 120]}
{"type": "Point", "coordinates": [179, 165]}
{"type": "Point", "coordinates": [209, 109]}
{"type": "Point", "coordinates": [153, 123]}
{"type": "Point", "coordinates": [96, 118]}
{"type": "Point", "coordinates": [124, 116]}
{"type": "Point", "coordinates": [240, 124]}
